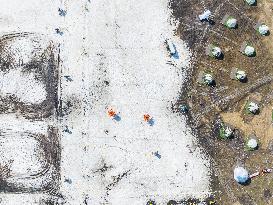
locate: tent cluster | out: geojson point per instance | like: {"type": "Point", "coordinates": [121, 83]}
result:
{"type": "Point", "coordinates": [241, 175]}
{"type": "Point", "coordinates": [216, 52]}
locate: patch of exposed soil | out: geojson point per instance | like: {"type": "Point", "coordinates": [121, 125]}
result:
{"type": "Point", "coordinates": [225, 102]}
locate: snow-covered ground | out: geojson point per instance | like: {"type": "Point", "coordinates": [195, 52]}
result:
{"type": "Point", "coordinates": [119, 42]}
{"type": "Point", "coordinates": [35, 93]}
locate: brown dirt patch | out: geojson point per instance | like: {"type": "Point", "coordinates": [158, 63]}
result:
{"type": "Point", "coordinates": [226, 101]}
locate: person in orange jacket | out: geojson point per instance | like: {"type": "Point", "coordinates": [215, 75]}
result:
{"type": "Point", "coordinates": [111, 113]}
{"type": "Point", "coordinates": [146, 117]}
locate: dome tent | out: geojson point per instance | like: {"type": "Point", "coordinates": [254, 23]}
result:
{"type": "Point", "coordinates": [251, 2]}
{"type": "Point", "coordinates": [226, 131]}
{"type": "Point", "coordinates": [206, 78]}
{"type": "Point", "coordinates": [214, 51]}
{"type": "Point", "coordinates": [262, 29]}
{"type": "Point", "coordinates": [247, 49]}
{"type": "Point", "coordinates": [253, 107]}
{"type": "Point", "coordinates": [205, 16]}
{"type": "Point", "coordinates": [240, 75]}
{"type": "Point", "coordinates": [241, 175]}
{"type": "Point", "coordinates": [229, 21]}
{"type": "Point", "coordinates": [251, 143]}
{"type": "Point", "coordinates": [183, 108]}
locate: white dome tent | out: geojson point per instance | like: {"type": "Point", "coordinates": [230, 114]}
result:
{"type": "Point", "coordinates": [205, 16]}
{"type": "Point", "coordinates": [214, 51]}
{"type": "Point", "coordinates": [253, 107]}
{"type": "Point", "coordinates": [229, 21]}
{"type": "Point", "coordinates": [262, 29]}
{"type": "Point", "coordinates": [252, 144]}
{"type": "Point", "coordinates": [208, 79]}
{"type": "Point", "coordinates": [241, 75]}
{"type": "Point", "coordinates": [251, 2]}
{"type": "Point", "coordinates": [226, 131]}
{"type": "Point", "coordinates": [241, 175]}
{"type": "Point", "coordinates": [247, 49]}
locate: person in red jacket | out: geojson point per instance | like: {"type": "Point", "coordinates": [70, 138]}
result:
{"type": "Point", "coordinates": [111, 113]}
{"type": "Point", "coordinates": [148, 119]}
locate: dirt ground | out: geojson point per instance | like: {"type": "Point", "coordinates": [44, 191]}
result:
{"type": "Point", "coordinates": [225, 102]}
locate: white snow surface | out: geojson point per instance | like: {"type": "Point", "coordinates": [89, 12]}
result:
{"type": "Point", "coordinates": [22, 150]}
{"type": "Point", "coordinates": [129, 36]}
{"type": "Point", "coordinates": [24, 86]}
{"type": "Point", "coordinates": [19, 149]}
{"type": "Point", "coordinates": [121, 42]}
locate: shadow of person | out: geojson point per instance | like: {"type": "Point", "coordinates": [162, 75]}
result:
{"type": "Point", "coordinates": [117, 118]}
{"type": "Point", "coordinates": [175, 55]}
{"type": "Point", "coordinates": [151, 122]}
